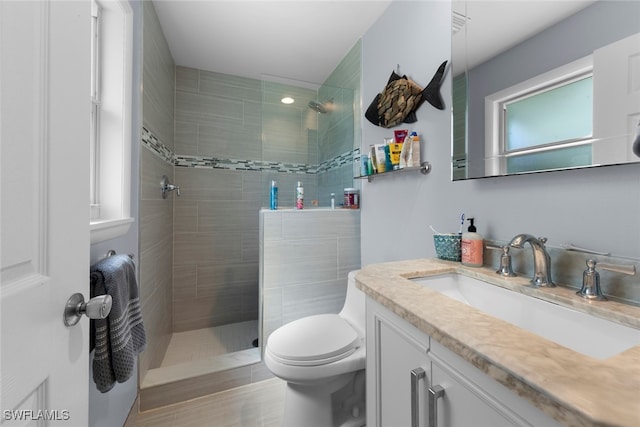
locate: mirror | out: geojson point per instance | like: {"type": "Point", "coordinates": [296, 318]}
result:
{"type": "Point", "coordinates": [516, 66]}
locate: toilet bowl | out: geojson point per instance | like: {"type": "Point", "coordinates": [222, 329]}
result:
{"type": "Point", "coordinates": [322, 359]}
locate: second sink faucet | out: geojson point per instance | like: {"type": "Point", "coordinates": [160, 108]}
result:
{"type": "Point", "coordinates": [541, 258]}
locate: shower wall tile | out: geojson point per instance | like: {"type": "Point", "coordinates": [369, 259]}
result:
{"type": "Point", "coordinates": [187, 79]}
{"type": "Point", "coordinates": [185, 282]}
{"type": "Point", "coordinates": [231, 215]}
{"type": "Point", "coordinates": [213, 279]}
{"type": "Point", "coordinates": [152, 169]}
{"type": "Point", "coordinates": [305, 258]}
{"type": "Point", "coordinates": [348, 253]}
{"type": "Point", "coordinates": [185, 216]}
{"type": "Point", "coordinates": [249, 247]}
{"type": "Point", "coordinates": [159, 78]}
{"type": "Point", "coordinates": [317, 298]}
{"type": "Point", "coordinates": [155, 265]}
{"type": "Point", "coordinates": [230, 143]}
{"type": "Point", "coordinates": [200, 248]}
{"type": "Point", "coordinates": [216, 232]}
{"type": "Point", "coordinates": [186, 137]}
{"type": "Point", "coordinates": [204, 312]}
{"type": "Point", "coordinates": [230, 86]}
{"type": "Point", "coordinates": [156, 214]}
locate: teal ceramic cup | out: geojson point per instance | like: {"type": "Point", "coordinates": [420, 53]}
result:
{"type": "Point", "coordinates": [447, 246]}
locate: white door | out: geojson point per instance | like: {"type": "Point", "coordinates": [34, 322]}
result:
{"type": "Point", "coordinates": [44, 210]}
{"type": "Point", "coordinates": [616, 100]}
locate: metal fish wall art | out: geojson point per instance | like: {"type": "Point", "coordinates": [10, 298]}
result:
{"type": "Point", "coordinates": [401, 97]}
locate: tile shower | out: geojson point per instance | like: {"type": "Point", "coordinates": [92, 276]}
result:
{"type": "Point", "coordinates": [222, 139]}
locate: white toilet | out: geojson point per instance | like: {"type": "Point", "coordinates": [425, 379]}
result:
{"type": "Point", "coordinates": [322, 358]}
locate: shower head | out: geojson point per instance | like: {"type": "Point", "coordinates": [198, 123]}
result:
{"type": "Point", "coordinates": [320, 107]}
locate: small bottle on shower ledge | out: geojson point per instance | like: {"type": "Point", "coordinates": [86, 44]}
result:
{"type": "Point", "coordinates": [299, 195]}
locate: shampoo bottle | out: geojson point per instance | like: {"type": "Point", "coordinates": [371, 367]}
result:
{"type": "Point", "coordinates": [273, 195]}
{"type": "Point", "coordinates": [472, 247]}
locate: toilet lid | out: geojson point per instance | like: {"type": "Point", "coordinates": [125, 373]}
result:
{"type": "Point", "coordinates": [313, 340]}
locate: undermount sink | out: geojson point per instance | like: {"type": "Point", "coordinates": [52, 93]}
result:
{"type": "Point", "coordinates": [586, 334]}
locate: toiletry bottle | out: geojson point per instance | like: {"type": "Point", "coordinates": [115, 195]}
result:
{"type": "Point", "coordinates": [273, 195]}
{"type": "Point", "coordinates": [414, 152]}
{"type": "Point", "coordinates": [472, 247]}
{"type": "Point", "coordinates": [299, 195]}
{"type": "Point", "coordinates": [333, 200]}
{"type": "Point", "coordinates": [364, 166]}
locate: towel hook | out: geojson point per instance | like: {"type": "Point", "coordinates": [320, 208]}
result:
{"type": "Point", "coordinates": [166, 186]}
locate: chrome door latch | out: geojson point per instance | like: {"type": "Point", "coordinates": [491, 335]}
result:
{"type": "Point", "coordinates": [96, 308]}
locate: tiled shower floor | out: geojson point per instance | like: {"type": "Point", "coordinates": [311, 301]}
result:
{"type": "Point", "coordinates": [205, 351]}
{"type": "Point", "coordinates": [204, 343]}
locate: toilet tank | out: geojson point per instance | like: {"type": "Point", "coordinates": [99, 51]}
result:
{"type": "Point", "coordinates": [354, 305]}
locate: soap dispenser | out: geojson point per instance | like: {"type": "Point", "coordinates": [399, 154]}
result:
{"type": "Point", "coordinates": [472, 246]}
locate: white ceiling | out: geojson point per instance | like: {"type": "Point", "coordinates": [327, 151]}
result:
{"type": "Point", "coordinates": [301, 40]}
{"type": "Point", "coordinates": [305, 40]}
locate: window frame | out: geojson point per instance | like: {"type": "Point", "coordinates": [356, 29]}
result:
{"type": "Point", "coordinates": [496, 155]}
{"type": "Point", "coordinates": [112, 131]}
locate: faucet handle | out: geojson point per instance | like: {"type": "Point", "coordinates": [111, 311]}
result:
{"type": "Point", "coordinates": [505, 263]}
{"type": "Point", "coordinates": [591, 278]}
{"type": "Point", "coordinates": [619, 268]}
{"type": "Point", "coordinates": [591, 283]}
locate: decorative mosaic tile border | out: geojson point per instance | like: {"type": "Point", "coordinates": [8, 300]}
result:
{"type": "Point", "coordinates": [153, 144]}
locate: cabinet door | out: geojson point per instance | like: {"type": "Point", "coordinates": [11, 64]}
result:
{"type": "Point", "coordinates": [393, 352]}
{"type": "Point", "coordinates": [472, 398]}
{"type": "Point", "coordinates": [464, 404]}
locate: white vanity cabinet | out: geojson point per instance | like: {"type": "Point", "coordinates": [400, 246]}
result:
{"type": "Point", "coordinates": [405, 370]}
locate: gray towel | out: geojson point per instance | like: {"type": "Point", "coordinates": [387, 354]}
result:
{"type": "Point", "coordinates": [120, 337]}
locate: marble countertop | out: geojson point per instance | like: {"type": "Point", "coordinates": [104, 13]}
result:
{"type": "Point", "coordinates": [575, 389]}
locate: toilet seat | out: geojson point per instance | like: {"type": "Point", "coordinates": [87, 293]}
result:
{"type": "Point", "coordinates": [312, 341]}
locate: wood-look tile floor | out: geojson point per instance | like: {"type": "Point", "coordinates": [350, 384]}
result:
{"type": "Point", "coordinates": [259, 404]}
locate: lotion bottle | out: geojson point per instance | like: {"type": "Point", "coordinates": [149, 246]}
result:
{"type": "Point", "coordinates": [472, 247]}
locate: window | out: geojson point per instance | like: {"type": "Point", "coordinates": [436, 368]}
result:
{"type": "Point", "coordinates": [95, 109]}
{"type": "Point", "coordinates": [111, 109]}
{"type": "Point", "coordinates": [542, 124]}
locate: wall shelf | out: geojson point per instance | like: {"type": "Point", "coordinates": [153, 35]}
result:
{"type": "Point", "coordinates": [424, 169]}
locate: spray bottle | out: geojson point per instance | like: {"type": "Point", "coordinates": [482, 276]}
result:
{"type": "Point", "coordinates": [299, 195]}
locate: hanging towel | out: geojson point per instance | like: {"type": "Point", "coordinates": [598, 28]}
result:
{"type": "Point", "coordinates": [120, 337]}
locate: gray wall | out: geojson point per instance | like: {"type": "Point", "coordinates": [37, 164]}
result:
{"type": "Point", "coordinates": [595, 208]}
{"type": "Point", "coordinates": [156, 213]}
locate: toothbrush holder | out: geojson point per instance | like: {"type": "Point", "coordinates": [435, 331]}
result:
{"type": "Point", "coordinates": [448, 246]}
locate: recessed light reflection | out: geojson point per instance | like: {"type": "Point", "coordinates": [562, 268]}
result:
{"type": "Point", "coordinates": [287, 100]}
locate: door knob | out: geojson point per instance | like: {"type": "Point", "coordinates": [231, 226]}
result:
{"type": "Point", "coordinates": [96, 308]}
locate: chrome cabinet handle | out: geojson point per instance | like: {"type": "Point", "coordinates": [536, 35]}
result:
{"type": "Point", "coordinates": [416, 375]}
{"type": "Point", "coordinates": [96, 308]}
{"type": "Point", "coordinates": [435, 392]}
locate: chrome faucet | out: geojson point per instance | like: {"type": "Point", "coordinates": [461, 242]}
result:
{"type": "Point", "coordinates": [541, 258]}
